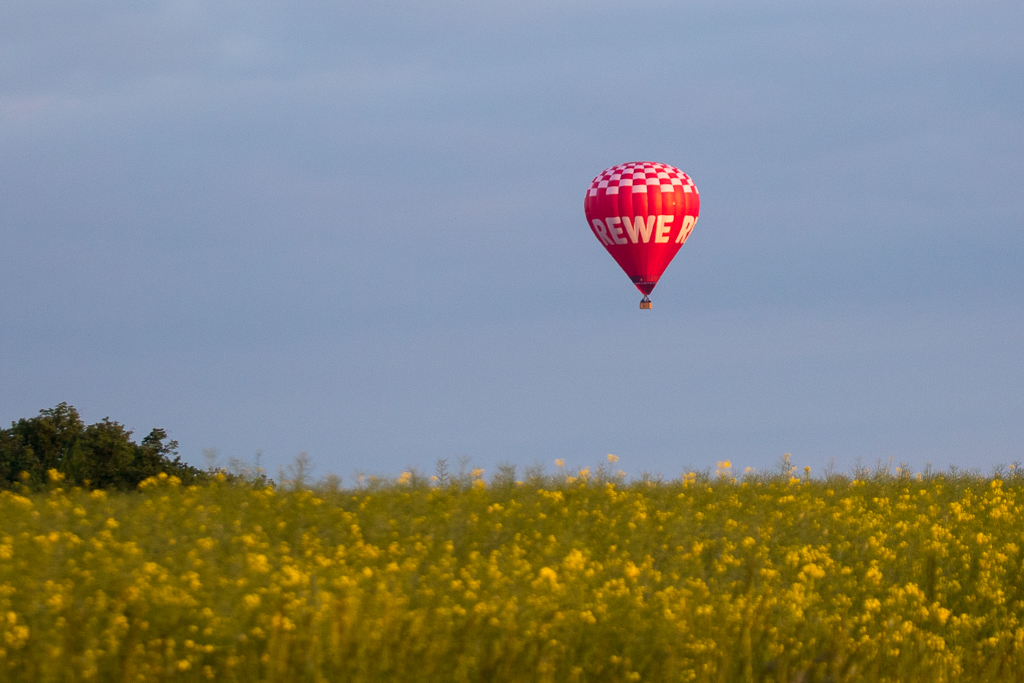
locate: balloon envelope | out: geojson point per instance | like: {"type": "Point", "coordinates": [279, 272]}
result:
{"type": "Point", "coordinates": [642, 212]}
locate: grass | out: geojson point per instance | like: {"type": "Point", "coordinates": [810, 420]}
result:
{"type": "Point", "coordinates": [873, 576]}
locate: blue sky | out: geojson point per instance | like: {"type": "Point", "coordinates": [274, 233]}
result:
{"type": "Point", "coordinates": [356, 229]}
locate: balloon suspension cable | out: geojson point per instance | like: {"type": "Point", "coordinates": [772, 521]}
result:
{"type": "Point", "coordinates": [645, 303]}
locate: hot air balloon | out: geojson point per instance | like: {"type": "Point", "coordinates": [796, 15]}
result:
{"type": "Point", "coordinates": [642, 212]}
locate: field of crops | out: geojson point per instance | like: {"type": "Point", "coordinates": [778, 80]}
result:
{"type": "Point", "coordinates": [568, 577]}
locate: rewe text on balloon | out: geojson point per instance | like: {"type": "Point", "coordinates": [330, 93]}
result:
{"type": "Point", "coordinates": [616, 229]}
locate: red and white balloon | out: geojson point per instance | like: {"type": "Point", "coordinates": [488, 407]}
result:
{"type": "Point", "coordinates": [642, 212]}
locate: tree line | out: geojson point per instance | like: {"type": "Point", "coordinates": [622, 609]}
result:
{"type": "Point", "coordinates": [101, 455]}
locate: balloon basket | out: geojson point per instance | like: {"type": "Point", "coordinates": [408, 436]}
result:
{"type": "Point", "coordinates": [645, 303]}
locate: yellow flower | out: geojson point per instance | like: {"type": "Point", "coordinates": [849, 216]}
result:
{"type": "Point", "coordinates": [574, 561]}
{"type": "Point", "coordinates": [560, 462]}
{"type": "Point", "coordinates": [613, 458]}
{"type": "Point", "coordinates": [258, 563]}
{"type": "Point", "coordinates": [813, 571]}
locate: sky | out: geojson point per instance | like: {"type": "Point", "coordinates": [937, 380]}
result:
{"type": "Point", "coordinates": [356, 230]}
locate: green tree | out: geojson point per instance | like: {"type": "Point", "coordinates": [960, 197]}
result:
{"type": "Point", "coordinates": [100, 455]}
{"type": "Point", "coordinates": [154, 456]}
{"type": "Point", "coordinates": [40, 443]}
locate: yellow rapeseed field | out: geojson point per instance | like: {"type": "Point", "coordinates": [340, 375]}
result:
{"type": "Point", "coordinates": [588, 577]}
